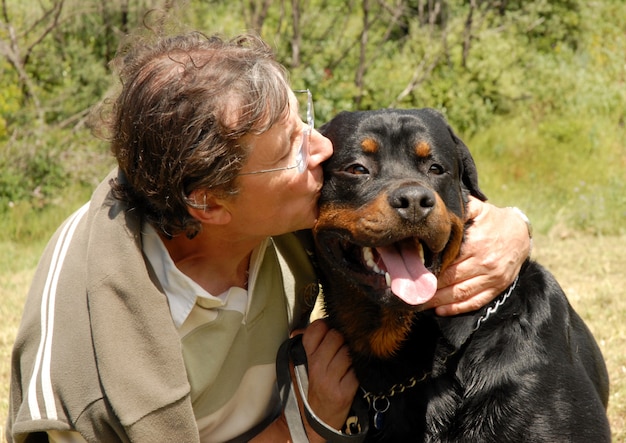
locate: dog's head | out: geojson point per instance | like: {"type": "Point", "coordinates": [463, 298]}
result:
{"type": "Point", "coordinates": [392, 209]}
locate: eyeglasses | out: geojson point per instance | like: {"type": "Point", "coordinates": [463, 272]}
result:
{"type": "Point", "coordinates": [305, 108]}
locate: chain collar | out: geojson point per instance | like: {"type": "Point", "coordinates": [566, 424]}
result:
{"type": "Point", "coordinates": [381, 402]}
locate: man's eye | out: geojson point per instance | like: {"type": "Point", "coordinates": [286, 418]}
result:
{"type": "Point", "coordinates": [357, 169]}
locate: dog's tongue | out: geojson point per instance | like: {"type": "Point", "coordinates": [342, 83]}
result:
{"type": "Point", "coordinates": [410, 280]}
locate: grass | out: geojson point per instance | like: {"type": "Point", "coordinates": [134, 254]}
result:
{"type": "Point", "coordinates": [18, 265]}
{"type": "Point", "coordinates": [591, 271]}
{"type": "Point", "coordinates": [589, 267]}
{"type": "Point", "coordinates": [562, 170]}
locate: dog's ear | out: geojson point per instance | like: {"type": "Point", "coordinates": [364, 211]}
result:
{"type": "Point", "coordinates": [469, 175]}
{"type": "Point", "coordinates": [330, 126]}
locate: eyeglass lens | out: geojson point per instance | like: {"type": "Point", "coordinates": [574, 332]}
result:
{"type": "Point", "coordinates": [306, 112]}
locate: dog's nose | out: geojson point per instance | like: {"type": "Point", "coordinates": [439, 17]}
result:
{"type": "Point", "coordinates": [413, 203]}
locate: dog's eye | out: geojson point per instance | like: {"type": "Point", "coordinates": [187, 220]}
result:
{"type": "Point", "coordinates": [436, 169]}
{"type": "Point", "coordinates": [357, 169]}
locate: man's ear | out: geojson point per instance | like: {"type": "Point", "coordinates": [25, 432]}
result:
{"type": "Point", "coordinates": [208, 209]}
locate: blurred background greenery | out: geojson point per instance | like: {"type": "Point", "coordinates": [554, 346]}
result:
{"type": "Point", "coordinates": [535, 88]}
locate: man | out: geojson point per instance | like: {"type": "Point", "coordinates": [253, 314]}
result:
{"type": "Point", "coordinates": [157, 308]}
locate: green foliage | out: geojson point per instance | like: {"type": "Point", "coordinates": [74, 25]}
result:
{"type": "Point", "coordinates": [536, 88]}
{"type": "Point", "coordinates": [546, 23]}
{"type": "Point", "coordinates": [45, 176]}
{"type": "Point", "coordinates": [562, 156]}
{"type": "Point", "coordinates": [10, 97]}
{"type": "Point", "coordinates": [69, 88]}
{"type": "Point", "coordinates": [37, 175]}
{"type": "Point", "coordinates": [563, 172]}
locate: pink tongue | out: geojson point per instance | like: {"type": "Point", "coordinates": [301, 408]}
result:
{"type": "Point", "coordinates": [410, 280]}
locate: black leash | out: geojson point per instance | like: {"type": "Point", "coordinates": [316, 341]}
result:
{"type": "Point", "coordinates": [357, 426]}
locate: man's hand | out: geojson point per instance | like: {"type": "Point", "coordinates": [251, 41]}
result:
{"type": "Point", "coordinates": [496, 246]}
{"type": "Point", "coordinates": [332, 382]}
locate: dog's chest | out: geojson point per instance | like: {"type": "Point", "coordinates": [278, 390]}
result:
{"type": "Point", "coordinates": [416, 393]}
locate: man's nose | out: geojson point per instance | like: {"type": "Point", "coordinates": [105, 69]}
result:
{"type": "Point", "coordinates": [321, 147]}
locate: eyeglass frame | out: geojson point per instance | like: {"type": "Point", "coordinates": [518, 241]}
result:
{"type": "Point", "coordinates": [302, 156]}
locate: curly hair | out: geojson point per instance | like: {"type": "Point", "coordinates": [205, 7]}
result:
{"type": "Point", "coordinates": [176, 125]}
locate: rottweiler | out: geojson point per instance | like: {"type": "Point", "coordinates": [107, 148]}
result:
{"type": "Point", "coordinates": [524, 368]}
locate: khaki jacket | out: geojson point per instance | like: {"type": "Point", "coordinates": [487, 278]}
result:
{"type": "Point", "coordinates": [97, 350]}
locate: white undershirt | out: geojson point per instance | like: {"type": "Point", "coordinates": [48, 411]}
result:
{"type": "Point", "coordinates": [183, 293]}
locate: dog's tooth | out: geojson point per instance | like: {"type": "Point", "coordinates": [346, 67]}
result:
{"type": "Point", "coordinates": [374, 266]}
{"type": "Point", "coordinates": [368, 255]}
{"type": "Point", "coordinates": [388, 279]}
{"type": "Point", "coordinates": [368, 258]}
{"type": "Point", "coordinates": [421, 252]}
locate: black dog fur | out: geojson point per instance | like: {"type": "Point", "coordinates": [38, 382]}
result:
{"type": "Point", "coordinates": [530, 372]}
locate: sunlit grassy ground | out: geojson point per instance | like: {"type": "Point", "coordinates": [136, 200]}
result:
{"type": "Point", "coordinates": [590, 269]}
{"type": "Point", "coordinates": [17, 264]}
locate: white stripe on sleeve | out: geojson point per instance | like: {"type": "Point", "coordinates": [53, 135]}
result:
{"type": "Point", "coordinates": [48, 299]}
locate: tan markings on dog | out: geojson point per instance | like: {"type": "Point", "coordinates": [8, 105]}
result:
{"type": "Point", "coordinates": [451, 252]}
{"type": "Point", "coordinates": [422, 149]}
{"type": "Point", "coordinates": [377, 222]}
{"type": "Point", "coordinates": [443, 233]}
{"type": "Point", "coordinates": [369, 146]}
{"type": "Point", "coordinates": [435, 231]}
{"type": "Point", "coordinates": [368, 224]}
{"type": "Point", "coordinates": [387, 339]}
{"type": "Point", "coordinates": [370, 329]}
{"type": "Point", "coordinates": [374, 221]}
{"type": "Point", "coordinates": [335, 217]}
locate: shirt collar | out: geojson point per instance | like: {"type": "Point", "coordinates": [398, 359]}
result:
{"type": "Point", "coordinates": [181, 291]}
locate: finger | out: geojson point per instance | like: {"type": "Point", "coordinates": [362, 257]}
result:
{"type": "Point", "coordinates": [322, 343]}
{"type": "Point", "coordinates": [460, 291]}
{"type": "Point", "coordinates": [457, 272]}
{"type": "Point", "coordinates": [472, 304]}
{"type": "Point", "coordinates": [473, 293]}
{"type": "Point", "coordinates": [341, 364]}
{"type": "Point", "coordinates": [314, 334]}
{"type": "Point", "coordinates": [474, 208]}
{"type": "Point", "coordinates": [316, 328]}
{"type": "Point", "coordinates": [331, 361]}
